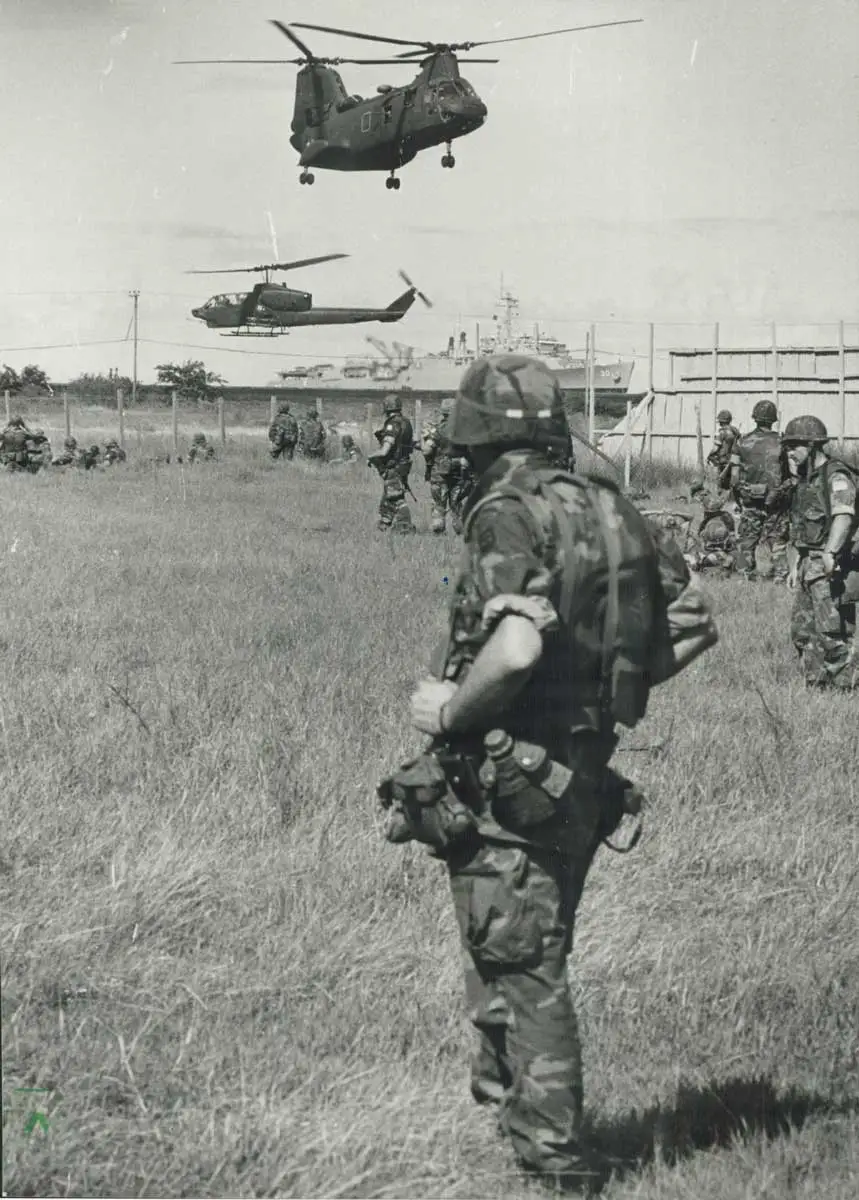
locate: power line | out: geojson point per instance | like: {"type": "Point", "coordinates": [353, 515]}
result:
{"type": "Point", "coordinates": [61, 346]}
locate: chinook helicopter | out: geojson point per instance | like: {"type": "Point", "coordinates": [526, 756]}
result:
{"type": "Point", "coordinates": [270, 309]}
{"type": "Point", "coordinates": [335, 131]}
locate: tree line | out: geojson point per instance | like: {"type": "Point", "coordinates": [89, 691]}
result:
{"type": "Point", "coordinates": [190, 380]}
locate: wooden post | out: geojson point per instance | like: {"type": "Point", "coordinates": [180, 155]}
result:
{"type": "Point", "coordinates": [175, 422]}
{"type": "Point", "coordinates": [593, 391]}
{"type": "Point", "coordinates": [651, 398]}
{"type": "Point", "coordinates": [8, 406]}
{"type": "Point", "coordinates": [774, 333]}
{"type": "Point", "coordinates": [715, 372]}
{"type": "Point", "coordinates": [67, 416]}
{"type": "Point", "coordinates": [272, 409]}
{"type": "Point", "coordinates": [627, 462]}
{"type": "Point", "coordinates": [222, 423]}
{"type": "Point", "coordinates": [699, 434]}
{"type": "Point", "coordinates": [418, 422]}
{"type": "Point", "coordinates": [842, 391]}
{"type": "Point", "coordinates": [370, 438]}
{"type": "Point", "coordinates": [319, 407]}
{"type": "Point", "coordinates": [477, 339]}
{"type": "Point", "coordinates": [120, 416]}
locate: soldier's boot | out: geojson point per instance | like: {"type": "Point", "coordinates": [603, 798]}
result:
{"type": "Point", "coordinates": [402, 522]}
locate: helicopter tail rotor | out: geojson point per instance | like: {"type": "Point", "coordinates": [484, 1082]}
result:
{"type": "Point", "coordinates": [417, 291]}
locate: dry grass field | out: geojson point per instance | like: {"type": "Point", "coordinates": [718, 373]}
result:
{"type": "Point", "coordinates": [228, 984]}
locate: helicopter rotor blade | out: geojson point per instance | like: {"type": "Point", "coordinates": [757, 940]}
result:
{"type": "Point", "coordinates": [294, 38]}
{"type": "Point", "coordinates": [415, 289]}
{"type": "Point", "coordinates": [527, 37]}
{"type": "Point", "coordinates": [287, 266]}
{"type": "Point", "coordinates": [184, 62]}
{"type": "Point", "coordinates": [367, 37]}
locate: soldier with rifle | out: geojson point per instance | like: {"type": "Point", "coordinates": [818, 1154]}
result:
{"type": "Point", "coordinates": [393, 461]}
{"type": "Point", "coordinates": [761, 485]}
{"type": "Point", "coordinates": [726, 437]}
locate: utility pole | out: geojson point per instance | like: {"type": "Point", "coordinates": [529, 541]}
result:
{"type": "Point", "coordinates": [135, 296]}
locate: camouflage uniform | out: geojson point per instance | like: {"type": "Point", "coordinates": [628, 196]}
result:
{"type": "Point", "coordinates": [311, 436]}
{"type": "Point", "coordinates": [724, 442]}
{"type": "Point", "coordinates": [70, 456]}
{"type": "Point", "coordinates": [762, 490]}
{"type": "Point", "coordinates": [201, 449]}
{"type": "Point", "coordinates": [90, 458]}
{"type": "Point", "coordinates": [283, 434]}
{"type": "Point", "coordinates": [348, 450]}
{"type": "Point", "coordinates": [393, 460]}
{"type": "Point", "coordinates": [14, 439]}
{"type": "Point", "coordinates": [516, 889]}
{"type": "Point", "coordinates": [713, 543]}
{"type": "Point", "coordinates": [823, 621]}
{"type": "Point", "coordinates": [113, 453]}
{"type": "Point", "coordinates": [442, 471]}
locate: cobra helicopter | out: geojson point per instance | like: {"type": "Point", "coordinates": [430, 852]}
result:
{"type": "Point", "coordinates": [270, 309]}
{"type": "Point", "coordinates": [335, 131]}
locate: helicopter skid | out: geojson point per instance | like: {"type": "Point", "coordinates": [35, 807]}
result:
{"type": "Point", "coordinates": [264, 333]}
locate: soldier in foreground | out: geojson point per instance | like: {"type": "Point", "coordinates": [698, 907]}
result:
{"type": "Point", "coordinates": [283, 434]}
{"type": "Point", "coordinates": [761, 485]}
{"type": "Point", "coordinates": [825, 567]}
{"type": "Point", "coordinates": [393, 461]}
{"type": "Point", "coordinates": [724, 440]}
{"type": "Point", "coordinates": [311, 436]}
{"type": "Point", "coordinates": [201, 449]}
{"type": "Point", "coordinates": [514, 792]}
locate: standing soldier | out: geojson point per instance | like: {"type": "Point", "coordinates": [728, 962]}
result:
{"type": "Point", "coordinates": [283, 434]}
{"type": "Point", "coordinates": [113, 453]}
{"type": "Point", "coordinates": [724, 441]}
{"type": "Point", "coordinates": [825, 572]}
{"type": "Point", "coordinates": [440, 472]}
{"type": "Point", "coordinates": [517, 795]}
{"type": "Point", "coordinates": [393, 461]}
{"type": "Point", "coordinates": [761, 486]}
{"type": "Point", "coordinates": [311, 436]}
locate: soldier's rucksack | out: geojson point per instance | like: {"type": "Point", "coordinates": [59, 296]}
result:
{"type": "Point", "coordinates": [657, 621]}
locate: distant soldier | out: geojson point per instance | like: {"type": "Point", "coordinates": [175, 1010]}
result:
{"type": "Point", "coordinates": [761, 486]}
{"type": "Point", "coordinates": [13, 445]}
{"type": "Point", "coordinates": [38, 450]}
{"type": "Point", "coordinates": [440, 472]}
{"type": "Point", "coordinates": [201, 449]}
{"type": "Point", "coordinates": [113, 453]}
{"type": "Point", "coordinates": [311, 436]}
{"type": "Point", "coordinates": [283, 434]}
{"type": "Point", "coordinates": [70, 455]}
{"type": "Point", "coordinates": [724, 440]}
{"type": "Point", "coordinates": [90, 458]}
{"type": "Point", "coordinates": [393, 461]}
{"type": "Point", "coordinates": [825, 545]}
{"type": "Point", "coordinates": [349, 452]}
{"type": "Point", "coordinates": [711, 545]}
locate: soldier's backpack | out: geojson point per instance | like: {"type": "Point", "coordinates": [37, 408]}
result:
{"type": "Point", "coordinates": [657, 621]}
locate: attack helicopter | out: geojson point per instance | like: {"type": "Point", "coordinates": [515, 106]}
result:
{"type": "Point", "coordinates": [335, 131]}
{"type": "Point", "coordinates": [270, 309]}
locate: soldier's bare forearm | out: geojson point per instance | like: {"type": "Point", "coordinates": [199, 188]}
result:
{"type": "Point", "coordinates": [497, 675]}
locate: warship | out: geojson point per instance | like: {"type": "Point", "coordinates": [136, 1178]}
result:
{"type": "Point", "coordinates": [398, 368]}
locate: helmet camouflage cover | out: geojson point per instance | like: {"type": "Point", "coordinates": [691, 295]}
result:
{"type": "Point", "coordinates": [393, 403]}
{"type": "Point", "coordinates": [509, 398]}
{"type": "Point", "coordinates": [724, 417]}
{"type": "Point", "coordinates": [199, 438]}
{"type": "Point", "coordinates": [805, 429]}
{"type": "Point", "coordinates": [765, 410]}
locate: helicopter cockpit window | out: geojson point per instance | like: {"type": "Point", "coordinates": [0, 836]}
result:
{"type": "Point", "coordinates": [465, 88]}
{"type": "Point", "coordinates": [409, 97]}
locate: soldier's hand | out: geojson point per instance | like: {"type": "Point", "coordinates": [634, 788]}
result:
{"type": "Point", "coordinates": [829, 563]}
{"type": "Point", "coordinates": [427, 702]}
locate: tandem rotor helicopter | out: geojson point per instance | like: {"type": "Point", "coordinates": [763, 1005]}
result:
{"type": "Point", "coordinates": [270, 309]}
{"type": "Point", "coordinates": [335, 131]}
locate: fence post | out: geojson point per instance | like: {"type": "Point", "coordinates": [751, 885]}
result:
{"type": "Point", "coordinates": [651, 398]}
{"type": "Point", "coordinates": [272, 409]}
{"type": "Point", "coordinates": [842, 391]}
{"type": "Point", "coordinates": [593, 388]}
{"type": "Point", "coordinates": [774, 332]}
{"type": "Point", "coordinates": [715, 373]}
{"type": "Point", "coordinates": [370, 424]}
{"type": "Point", "coordinates": [8, 407]}
{"type": "Point", "coordinates": [319, 407]}
{"type": "Point", "coordinates": [222, 425]}
{"type": "Point", "coordinates": [627, 462]}
{"type": "Point", "coordinates": [67, 416]}
{"type": "Point", "coordinates": [120, 415]}
{"type": "Point", "coordinates": [699, 434]}
{"type": "Point", "coordinates": [175, 405]}
{"type": "Point", "coordinates": [418, 420]}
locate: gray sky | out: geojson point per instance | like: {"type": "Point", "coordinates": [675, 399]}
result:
{"type": "Point", "coordinates": [701, 166]}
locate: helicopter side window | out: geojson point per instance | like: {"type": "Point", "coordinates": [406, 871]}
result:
{"type": "Point", "coordinates": [366, 118]}
{"type": "Point", "coordinates": [387, 111]}
{"type": "Point", "coordinates": [409, 97]}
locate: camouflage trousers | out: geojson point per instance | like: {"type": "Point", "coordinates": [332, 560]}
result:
{"type": "Point", "coordinates": [285, 450]}
{"type": "Point", "coordinates": [443, 494]}
{"type": "Point", "coordinates": [759, 527]}
{"type": "Point", "coordinates": [394, 513]}
{"type": "Point", "coordinates": [515, 907]}
{"type": "Point", "coordinates": [823, 628]}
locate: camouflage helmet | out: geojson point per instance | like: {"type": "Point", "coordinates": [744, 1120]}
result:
{"type": "Point", "coordinates": [16, 422]}
{"type": "Point", "coordinates": [111, 443]}
{"type": "Point", "coordinates": [312, 410]}
{"type": "Point", "coordinates": [724, 417]}
{"type": "Point", "coordinates": [283, 407]}
{"type": "Point", "coordinates": [805, 429]}
{"type": "Point", "coordinates": [39, 433]}
{"type": "Point", "coordinates": [347, 439]}
{"type": "Point", "coordinates": [765, 411]}
{"type": "Point", "coordinates": [94, 449]}
{"type": "Point", "coordinates": [71, 443]}
{"type": "Point", "coordinates": [199, 439]}
{"type": "Point", "coordinates": [509, 398]}
{"type": "Point", "coordinates": [392, 403]}
{"type": "Point", "coordinates": [447, 405]}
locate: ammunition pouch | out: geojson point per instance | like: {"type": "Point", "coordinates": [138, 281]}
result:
{"type": "Point", "coordinates": [753, 493]}
{"type": "Point", "coordinates": [543, 786]}
{"type": "Point", "coordinates": [422, 807]}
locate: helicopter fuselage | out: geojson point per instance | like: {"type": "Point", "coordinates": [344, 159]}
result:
{"type": "Point", "coordinates": [337, 132]}
{"type": "Point", "coordinates": [225, 312]}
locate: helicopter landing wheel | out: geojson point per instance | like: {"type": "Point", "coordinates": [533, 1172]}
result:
{"type": "Point", "coordinates": [448, 161]}
{"type": "Point", "coordinates": [392, 183]}
{"type": "Point", "coordinates": [306, 177]}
